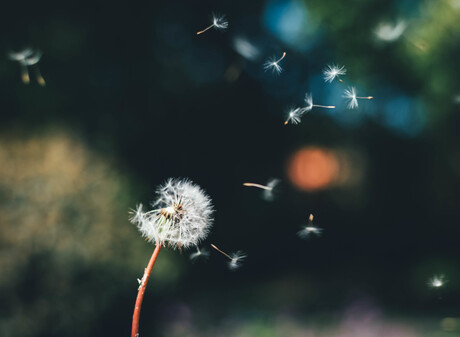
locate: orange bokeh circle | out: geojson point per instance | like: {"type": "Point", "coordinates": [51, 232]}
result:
{"type": "Point", "coordinates": [313, 168]}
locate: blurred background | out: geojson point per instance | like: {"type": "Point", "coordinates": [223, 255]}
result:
{"type": "Point", "coordinates": [133, 96]}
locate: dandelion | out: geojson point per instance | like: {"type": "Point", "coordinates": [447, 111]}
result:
{"type": "Point", "coordinates": [310, 105]}
{"type": "Point", "coordinates": [437, 281]}
{"type": "Point", "coordinates": [309, 229]}
{"type": "Point", "coordinates": [181, 218]}
{"type": "Point", "coordinates": [218, 22]}
{"type": "Point", "coordinates": [268, 190]}
{"type": "Point", "coordinates": [235, 258]}
{"type": "Point", "coordinates": [294, 115]}
{"type": "Point", "coordinates": [350, 94]}
{"type": "Point", "coordinates": [273, 64]}
{"type": "Point", "coordinates": [199, 254]}
{"type": "Point", "coordinates": [333, 71]}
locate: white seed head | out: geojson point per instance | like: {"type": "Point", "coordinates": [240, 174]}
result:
{"type": "Point", "coordinates": [437, 281]}
{"type": "Point", "coordinates": [181, 216]}
{"type": "Point", "coordinates": [350, 94]}
{"type": "Point", "coordinates": [294, 115]}
{"type": "Point", "coordinates": [332, 71]}
{"type": "Point", "coordinates": [200, 254]}
{"type": "Point", "coordinates": [219, 21]}
{"type": "Point", "coordinates": [235, 260]}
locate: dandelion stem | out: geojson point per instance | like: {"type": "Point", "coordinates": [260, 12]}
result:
{"type": "Point", "coordinates": [340, 79]}
{"type": "Point", "coordinates": [141, 291]}
{"type": "Point", "coordinates": [202, 31]}
{"type": "Point", "coordinates": [258, 185]}
{"type": "Point", "coordinates": [324, 106]}
{"type": "Point", "coordinates": [223, 253]}
{"type": "Point", "coordinates": [368, 97]}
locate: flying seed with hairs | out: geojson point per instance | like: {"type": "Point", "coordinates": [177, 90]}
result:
{"type": "Point", "coordinates": [268, 190]}
{"type": "Point", "coordinates": [273, 64]}
{"type": "Point", "coordinates": [333, 71]}
{"type": "Point", "coordinates": [218, 22]}
{"type": "Point", "coordinates": [309, 103]}
{"type": "Point", "coordinates": [309, 229]}
{"type": "Point", "coordinates": [350, 94]}
{"type": "Point", "coordinates": [235, 258]}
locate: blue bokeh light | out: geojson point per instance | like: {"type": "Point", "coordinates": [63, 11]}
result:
{"type": "Point", "coordinates": [291, 22]}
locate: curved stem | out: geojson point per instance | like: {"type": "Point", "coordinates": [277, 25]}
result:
{"type": "Point", "coordinates": [141, 291]}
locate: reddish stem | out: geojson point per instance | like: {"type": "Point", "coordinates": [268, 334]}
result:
{"type": "Point", "coordinates": [141, 291]}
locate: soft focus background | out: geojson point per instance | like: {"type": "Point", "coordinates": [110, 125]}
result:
{"type": "Point", "coordinates": [133, 96]}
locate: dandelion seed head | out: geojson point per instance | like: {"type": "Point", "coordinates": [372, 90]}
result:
{"type": "Point", "coordinates": [437, 281]}
{"type": "Point", "coordinates": [332, 71]}
{"type": "Point", "coordinates": [350, 94]}
{"type": "Point", "coordinates": [219, 21]}
{"type": "Point", "coordinates": [236, 259]}
{"type": "Point", "coordinates": [181, 216]}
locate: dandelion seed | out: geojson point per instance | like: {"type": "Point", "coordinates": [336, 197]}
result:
{"type": "Point", "coordinates": [389, 32]}
{"type": "Point", "coordinates": [199, 254]}
{"type": "Point", "coordinates": [20, 56]}
{"type": "Point", "coordinates": [437, 281]}
{"type": "Point", "coordinates": [273, 64]}
{"type": "Point", "coordinates": [235, 258]}
{"type": "Point", "coordinates": [310, 105]}
{"type": "Point", "coordinates": [350, 94]}
{"type": "Point", "coordinates": [309, 229]}
{"type": "Point", "coordinates": [218, 22]}
{"type": "Point", "coordinates": [294, 115]}
{"type": "Point", "coordinates": [25, 58]}
{"type": "Point", "coordinates": [333, 71]}
{"type": "Point", "coordinates": [268, 190]}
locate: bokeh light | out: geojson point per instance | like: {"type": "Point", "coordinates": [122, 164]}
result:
{"type": "Point", "coordinates": [313, 168]}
